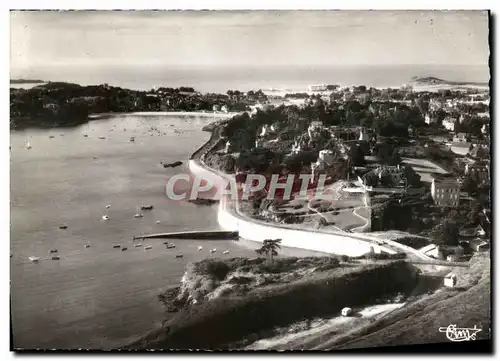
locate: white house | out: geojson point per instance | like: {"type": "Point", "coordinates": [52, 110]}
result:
{"type": "Point", "coordinates": [449, 124]}
{"type": "Point", "coordinates": [346, 311]}
{"type": "Point", "coordinates": [450, 280]}
{"type": "Point", "coordinates": [317, 88]}
{"type": "Point", "coordinates": [430, 119]}
{"type": "Point", "coordinates": [326, 156]}
{"type": "Point", "coordinates": [363, 135]}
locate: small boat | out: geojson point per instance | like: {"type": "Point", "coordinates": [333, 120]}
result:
{"type": "Point", "coordinates": [108, 206]}
{"type": "Point", "coordinates": [105, 218]}
{"type": "Point", "coordinates": [124, 248]}
{"type": "Point", "coordinates": [138, 245]}
{"type": "Point", "coordinates": [51, 136]}
{"type": "Point", "coordinates": [200, 248]}
{"type": "Point", "coordinates": [34, 259]}
{"type": "Point", "coordinates": [87, 246]}
{"type": "Point", "coordinates": [95, 157]}
{"type": "Point", "coordinates": [117, 246]}
{"type": "Point", "coordinates": [147, 208]}
{"type": "Point", "coordinates": [132, 139]}
{"type": "Point", "coordinates": [85, 135]}
{"type": "Point", "coordinates": [56, 258]}
{"type": "Point", "coordinates": [11, 254]}
{"type": "Point", "coordinates": [138, 215]}
{"type": "Point", "coordinates": [102, 137]}
{"type": "Point", "coordinates": [157, 222]}
{"type": "Point", "coordinates": [148, 247]}
{"type": "Point", "coordinates": [179, 255]}
{"type": "Point", "coordinates": [225, 252]}
{"type": "Point", "coordinates": [28, 145]}
{"type": "Point", "coordinates": [63, 227]}
{"type": "Point", "coordinates": [53, 251]}
{"type": "Point", "coordinates": [213, 250]}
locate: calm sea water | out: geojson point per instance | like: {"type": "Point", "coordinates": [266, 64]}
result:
{"type": "Point", "coordinates": [99, 296]}
{"type": "Point", "coordinates": [244, 78]}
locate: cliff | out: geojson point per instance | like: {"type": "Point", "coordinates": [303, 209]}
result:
{"type": "Point", "coordinates": [231, 303]}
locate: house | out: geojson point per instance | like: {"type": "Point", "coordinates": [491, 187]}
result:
{"type": "Point", "coordinates": [480, 151]}
{"type": "Point", "coordinates": [479, 245]}
{"type": "Point", "coordinates": [449, 124]}
{"type": "Point", "coordinates": [430, 250]}
{"type": "Point", "coordinates": [460, 137]}
{"type": "Point", "coordinates": [480, 231]}
{"type": "Point", "coordinates": [483, 115]}
{"type": "Point", "coordinates": [317, 88]}
{"type": "Point", "coordinates": [267, 129]}
{"type": "Point", "coordinates": [450, 280]}
{"type": "Point", "coordinates": [224, 109]}
{"type": "Point", "coordinates": [326, 156]}
{"type": "Point", "coordinates": [445, 191]}
{"type": "Point", "coordinates": [363, 135]}
{"type": "Point", "coordinates": [435, 104]}
{"type": "Point", "coordinates": [395, 173]}
{"type": "Point", "coordinates": [485, 129]}
{"type": "Point", "coordinates": [314, 129]}
{"type": "Point", "coordinates": [346, 311]}
{"type": "Point", "coordinates": [479, 170]}
{"type": "Point", "coordinates": [430, 119]}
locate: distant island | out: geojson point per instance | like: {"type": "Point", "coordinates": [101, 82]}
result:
{"type": "Point", "coordinates": [430, 80]}
{"type": "Point", "coordinates": [27, 81]}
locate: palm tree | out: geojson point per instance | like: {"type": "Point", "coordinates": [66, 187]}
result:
{"type": "Point", "coordinates": [269, 248]}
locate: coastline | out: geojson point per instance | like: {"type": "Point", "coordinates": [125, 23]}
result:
{"type": "Point", "coordinates": [230, 218]}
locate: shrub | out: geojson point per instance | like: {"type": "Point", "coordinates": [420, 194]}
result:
{"type": "Point", "coordinates": [216, 269]}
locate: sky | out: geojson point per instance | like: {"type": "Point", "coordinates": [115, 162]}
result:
{"type": "Point", "coordinates": [256, 38]}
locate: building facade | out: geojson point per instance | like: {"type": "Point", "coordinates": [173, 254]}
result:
{"type": "Point", "coordinates": [445, 192]}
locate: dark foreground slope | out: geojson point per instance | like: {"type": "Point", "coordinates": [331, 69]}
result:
{"type": "Point", "coordinates": [234, 320]}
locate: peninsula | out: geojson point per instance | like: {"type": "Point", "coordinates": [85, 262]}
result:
{"type": "Point", "coordinates": [60, 104]}
{"type": "Point", "coordinates": [27, 81]}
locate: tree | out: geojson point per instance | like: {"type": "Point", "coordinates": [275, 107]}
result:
{"type": "Point", "coordinates": [447, 233]}
{"type": "Point", "coordinates": [269, 248]}
{"type": "Point", "coordinates": [470, 185]}
{"type": "Point", "coordinates": [356, 156]}
{"type": "Point", "coordinates": [411, 178]}
{"type": "Point", "coordinates": [371, 179]}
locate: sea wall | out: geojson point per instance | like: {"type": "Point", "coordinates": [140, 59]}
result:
{"type": "Point", "coordinates": [254, 230]}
